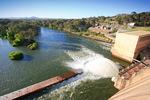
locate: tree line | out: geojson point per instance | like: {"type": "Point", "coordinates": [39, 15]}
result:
{"type": "Point", "coordinates": [78, 25]}
{"type": "Point", "coordinates": [22, 32]}
{"type": "Point", "coordinates": [140, 19]}
{"type": "Point", "coordinates": [18, 31]}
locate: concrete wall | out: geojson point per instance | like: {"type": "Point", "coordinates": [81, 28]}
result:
{"type": "Point", "coordinates": [121, 83]}
{"type": "Point", "coordinates": [137, 91]}
{"type": "Point", "coordinates": [125, 46]}
{"type": "Point", "coordinates": [128, 46]}
{"type": "Point", "coordinates": [136, 88]}
{"type": "Point", "coordinates": [143, 43]}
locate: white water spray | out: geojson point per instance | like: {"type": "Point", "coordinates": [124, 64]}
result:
{"type": "Point", "coordinates": [94, 66]}
{"type": "Point", "coordinates": [92, 63]}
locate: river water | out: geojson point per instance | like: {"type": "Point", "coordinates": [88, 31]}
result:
{"type": "Point", "coordinates": [60, 52]}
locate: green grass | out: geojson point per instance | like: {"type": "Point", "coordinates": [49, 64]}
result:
{"type": "Point", "coordinates": [114, 36]}
{"type": "Point", "coordinates": [139, 28]}
{"type": "Point", "coordinates": [92, 33]}
{"type": "Point", "coordinates": [101, 35]}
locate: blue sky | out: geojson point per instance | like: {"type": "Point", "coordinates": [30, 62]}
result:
{"type": "Point", "coordinates": [70, 8]}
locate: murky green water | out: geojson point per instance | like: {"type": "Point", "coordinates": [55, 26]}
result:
{"type": "Point", "coordinates": [58, 53]}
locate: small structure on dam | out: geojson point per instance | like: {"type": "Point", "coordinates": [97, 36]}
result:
{"type": "Point", "coordinates": [128, 45]}
{"type": "Point", "coordinates": [133, 82]}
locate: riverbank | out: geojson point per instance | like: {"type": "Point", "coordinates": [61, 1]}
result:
{"type": "Point", "coordinates": [98, 38]}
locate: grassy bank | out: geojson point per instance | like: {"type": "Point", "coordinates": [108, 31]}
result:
{"type": "Point", "coordinates": [91, 35]}
{"type": "Point", "coordinates": [138, 28]}
{"type": "Point", "coordinates": [96, 36]}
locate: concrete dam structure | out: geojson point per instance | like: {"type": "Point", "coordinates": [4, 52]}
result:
{"type": "Point", "coordinates": [128, 45]}
{"type": "Point", "coordinates": [133, 82]}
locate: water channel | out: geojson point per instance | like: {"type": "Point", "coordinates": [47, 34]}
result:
{"type": "Point", "coordinates": [60, 52]}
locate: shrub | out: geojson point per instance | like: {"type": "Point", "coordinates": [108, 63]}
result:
{"type": "Point", "coordinates": [101, 35]}
{"type": "Point", "coordinates": [4, 37]}
{"type": "Point", "coordinates": [113, 31]}
{"type": "Point", "coordinates": [17, 42]}
{"type": "Point", "coordinates": [33, 46]}
{"type": "Point", "coordinates": [60, 29]}
{"type": "Point", "coordinates": [16, 55]}
{"type": "Point", "coordinates": [80, 33]}
{"type": "Point", "coordinates": [86, 34]}
{"type": "Point", "coordinates": [31, 40]}
{"type": "Point", "coordinates": [10, 35]}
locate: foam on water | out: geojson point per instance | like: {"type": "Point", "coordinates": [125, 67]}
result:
{"type": "Point", "coordinates": [92, 62]}
{"type": "Point", "coordinates": [94, 66]}
{"type": "Point", "coordinates": [68, 87]}
{"type": "Point", "coordinates": [105, 46]}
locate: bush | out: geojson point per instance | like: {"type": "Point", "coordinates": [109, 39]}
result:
{"type": "Point", "coordinates": [16, 55]}
{"type": "Point", "coordinates": [32, 41]}
{"type": "Point", "coordinates": [17, 42]}
{"type": "Point", "coordinates": [86, 34]}
{"type": "Point", "coordinates": [10, 35]}
{"type": "Point", "coordinates": [101, 35]}
{"type": "Point", "coordinates": [113, 31]}
{"type": "Point", "coordinates": [80, 33]}
{"type": "Point", "coordinates": [33, 46]}
{"type": "Point", "coordinates": [5, 37]}
{"type": "Point", "coordinates": [60, 29]}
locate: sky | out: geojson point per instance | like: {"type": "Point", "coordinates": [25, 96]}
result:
{"type": "Point", "coordinates": [70, 8]}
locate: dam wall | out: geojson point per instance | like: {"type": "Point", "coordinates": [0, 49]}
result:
{"type": "Point", "coordinates": [133, 82]}
{"type": "Point", "coordinates": [128, 45]}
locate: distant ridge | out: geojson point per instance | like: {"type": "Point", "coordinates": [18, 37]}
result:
{"type": "Point", "coordinates": [33, 17]}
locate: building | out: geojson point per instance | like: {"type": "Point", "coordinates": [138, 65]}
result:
{"type": "Point", "coordinates": [96, 24]}
{"type": "Point", "coordinates": [131, 24]}
{"type": "Point", "coordinates": [106, 27]}
{"type": "Point", "coordinates": [128, 45]}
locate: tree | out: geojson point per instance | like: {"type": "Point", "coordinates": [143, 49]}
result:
{"type": "Point", "coordinates": [133, 13]}
{"type": "Point", "coordinates": [10, 35]}
{"type": "Point", "coordinates": [17, 42]}
{"type": "Point", "coordinates": [33, 46]}
{"type": "Point", "coordinates": [16, 55]}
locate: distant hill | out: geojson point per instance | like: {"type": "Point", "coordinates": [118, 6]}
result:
{"type": "Point", "coordinates": [33, 17]}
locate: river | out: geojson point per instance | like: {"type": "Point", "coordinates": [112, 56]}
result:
{"type": "Point", "coordinates": [60, 52]}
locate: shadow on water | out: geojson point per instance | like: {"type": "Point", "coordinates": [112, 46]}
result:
{"type": "Point", "coordinates": [27, 58]}
{"type": "Point", "coordinates": [120, 61]}
{"type": "Point", "coordinates": [60, 46]}
{"type": "Point", "coordinates": [40, 93]}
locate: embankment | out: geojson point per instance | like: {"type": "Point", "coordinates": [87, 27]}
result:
{"type": "Point", "coordinates": [98, 38]}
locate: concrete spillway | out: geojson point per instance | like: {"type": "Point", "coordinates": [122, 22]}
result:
{"type": "Point", "coordinates": [40, 85]}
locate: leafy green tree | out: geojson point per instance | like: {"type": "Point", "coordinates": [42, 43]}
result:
{"type": "Point", "coordinates": [2, 31]}
{"type": "Point", "coordinates": [133, 13]}
{"type": "Point", "coordinates": [33, 46]}
{"type": "Point", "coordinates": [51, 26]}
{"type": "Point", "coordinates": [10, 35]}
{"type": "Point", "coordinates": [17, 42]}
{"type": "Point", "coordinates": [16, 55]}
